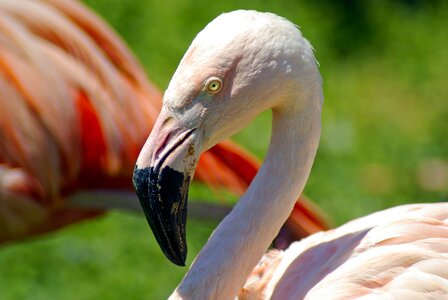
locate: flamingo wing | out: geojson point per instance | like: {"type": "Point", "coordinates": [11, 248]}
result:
{"type": "Point", "coordinates": [398, 253]}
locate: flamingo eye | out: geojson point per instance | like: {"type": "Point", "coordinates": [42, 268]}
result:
{"type": "Point", "coordinates": [213, 85]}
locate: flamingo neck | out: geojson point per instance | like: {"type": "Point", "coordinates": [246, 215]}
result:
{"type": "Point", "coordinates": [240, 240]}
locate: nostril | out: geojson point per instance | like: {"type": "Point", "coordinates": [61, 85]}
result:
{"type": "Point", "coordinates": [162, 144]}
{"type": "Point", "coordinates": [168, 142]}
{"type": "Point", "coordinates": [165, 136]}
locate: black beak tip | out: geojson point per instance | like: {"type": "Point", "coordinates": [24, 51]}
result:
{"type": "Point", "coordinates": [177, 259]}
{"type": "Point", "coordinates": [169, 233]}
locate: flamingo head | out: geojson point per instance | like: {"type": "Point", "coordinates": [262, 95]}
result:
{"type": "Point", "coordinates": [239, 65]}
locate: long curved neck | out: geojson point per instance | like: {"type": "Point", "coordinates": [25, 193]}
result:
{"type": "Point", "coordinates": [240, 240]}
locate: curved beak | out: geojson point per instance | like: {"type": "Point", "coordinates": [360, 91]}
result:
{"type": "Point", "coordinates": [162, 176]}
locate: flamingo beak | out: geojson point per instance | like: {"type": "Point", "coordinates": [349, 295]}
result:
{"type": "Point", "coordinates": [162, 176]}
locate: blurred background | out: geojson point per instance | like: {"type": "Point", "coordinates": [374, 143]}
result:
{"type": "Point", "coordinates": [384, 140]}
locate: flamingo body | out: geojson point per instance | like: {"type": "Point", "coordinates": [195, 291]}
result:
{"type": "Point", "coordinates": [398, 253]}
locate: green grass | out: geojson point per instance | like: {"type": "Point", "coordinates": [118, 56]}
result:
{"type": "Point", "coordinates": [385, 118]}
{"type": "Point", "coordinates": [114, 257]}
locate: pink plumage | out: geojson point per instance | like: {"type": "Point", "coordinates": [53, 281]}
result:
{"type": "Point", "coordinates": [398, 253]}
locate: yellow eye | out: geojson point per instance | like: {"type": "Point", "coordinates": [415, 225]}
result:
{"type": "Point", "coordinates": [214, 85]}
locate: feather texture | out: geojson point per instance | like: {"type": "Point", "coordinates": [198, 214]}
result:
{"type": "Point", "coordinates": [398, 253]}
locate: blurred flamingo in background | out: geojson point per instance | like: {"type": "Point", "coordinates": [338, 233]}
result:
{"type": "Point", "coordinates": [76, 107]}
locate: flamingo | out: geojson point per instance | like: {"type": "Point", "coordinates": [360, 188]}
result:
{"type": "Point", "coordinates": [76, 107]}
{"type": "Point", "coordinates": [239, 65]}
